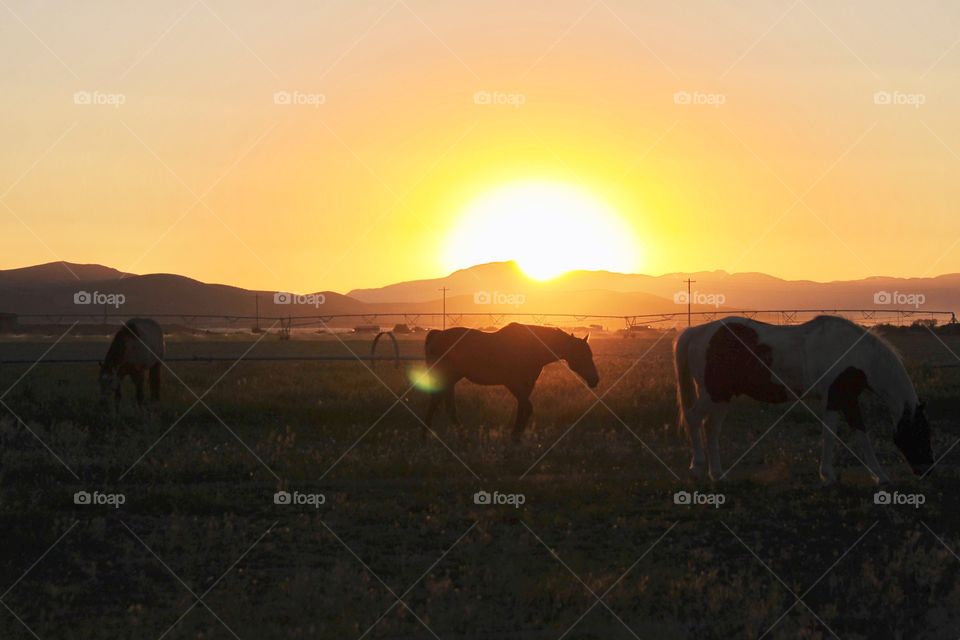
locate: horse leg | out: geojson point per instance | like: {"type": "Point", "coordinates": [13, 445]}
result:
{"type": "Point", "coordinates": [711, 430]}
{"type": "Point", "coordinates": [831, 435]}
{"type": "Point", "coordinates": [118, 383]}
{"type": "Point", "coordinates": [432, 407]}
{"type": "Point", "coordinates": [862, 443]}
{"type": "Point", "coordinates": [445, 381]}
{"type": "Point", "coordinates": [450, 402]}
{"type": "Point", "coordinates": [138, 381]}
{"type": "Point", "coordinates": [850, 407]}
{"type": "Point", "coordinates": [524, 409]}
{"type": "Point", "coordinates": [155, 382]}
{"type": "Point", "coordinates": [693, 417]}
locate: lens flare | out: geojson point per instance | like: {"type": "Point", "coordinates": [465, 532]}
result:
{"type": "Point", "coordinates": [422, 378]}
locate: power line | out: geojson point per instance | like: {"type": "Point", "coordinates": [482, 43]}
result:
{"type": "Point", "coordinates": [689, 301]}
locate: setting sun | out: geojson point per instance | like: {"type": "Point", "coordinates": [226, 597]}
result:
{"type": "Point", "coordinates": [547, 228]}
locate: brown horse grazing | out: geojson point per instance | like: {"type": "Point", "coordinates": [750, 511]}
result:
{"type": "Point", "coordinates": [512, 357]}
{"type": "Point", "coordinates": [137, 348]}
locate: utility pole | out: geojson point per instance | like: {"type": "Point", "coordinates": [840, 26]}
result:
{"type": "Point", "coordinates": [689, 300]}
{"type": "Point", "coordinates": [444, 290]}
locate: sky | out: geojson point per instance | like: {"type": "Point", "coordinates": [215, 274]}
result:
{"type": "Point", "coordinates": [335, 145]}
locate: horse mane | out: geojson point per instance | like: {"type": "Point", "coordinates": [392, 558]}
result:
{"type": "Point", "coordinates": [876, 340]}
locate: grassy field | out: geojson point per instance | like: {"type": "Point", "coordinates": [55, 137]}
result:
{"type": "Point", "coordinates": [399, 548]}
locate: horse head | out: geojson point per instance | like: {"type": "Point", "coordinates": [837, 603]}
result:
{"type": "Point", "coordinates": [579, 358]}
{"type": "Point", "coordinates": [913, 438]}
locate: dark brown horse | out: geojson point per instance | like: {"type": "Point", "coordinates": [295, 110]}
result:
{"type": "Point", "coordinates": [137, 349]}
{"type": "Point", "coordinates": [512, 357]}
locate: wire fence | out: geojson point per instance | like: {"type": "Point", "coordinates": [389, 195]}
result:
{"type": "Point", "coordinates": [631, 324]}
{"type": "Point", "coordinates": [372, 321]}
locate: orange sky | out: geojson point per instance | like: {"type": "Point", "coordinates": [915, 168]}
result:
{"type": "Point", "coordinates": [798, 172]}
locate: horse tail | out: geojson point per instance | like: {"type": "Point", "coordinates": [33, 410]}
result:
{"type": "Point", "coordinates": [430, 346]}
{"type": "Point", "coordinates": [686, 390]}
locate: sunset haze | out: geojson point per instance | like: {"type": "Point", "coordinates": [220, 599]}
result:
{"type": "Point", "coordinates": [744, 137]}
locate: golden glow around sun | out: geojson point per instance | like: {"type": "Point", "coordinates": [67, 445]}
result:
{"type": "Point", "coordinates": [547, 228]}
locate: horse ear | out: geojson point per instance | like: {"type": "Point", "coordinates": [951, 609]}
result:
{"type": "Point", "coordinates": [586, 337]}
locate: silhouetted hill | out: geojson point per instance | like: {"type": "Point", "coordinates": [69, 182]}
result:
{"type": "Point", "coordinates": [738, 290]}
{"type": "Point", "coordinates": [57, 273]}
{"type": "Point", "coordinates": [495, 288]}
{"type": "Point", "coordinates": [42, 290]}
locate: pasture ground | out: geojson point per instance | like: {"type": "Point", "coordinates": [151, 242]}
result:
{"type": "Point", "coordinates": [399, 549]}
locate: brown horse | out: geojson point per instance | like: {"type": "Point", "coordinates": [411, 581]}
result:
{"type": "Point", "coordinates": [512, 357]}
{"type": "Point", "coordinates": [137, 348]}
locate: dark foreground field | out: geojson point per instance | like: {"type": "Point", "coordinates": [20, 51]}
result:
{"type": "Point", "coordinates": [400, 549]}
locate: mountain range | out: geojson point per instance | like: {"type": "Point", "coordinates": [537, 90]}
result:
{"type": "Point", "coordinates": [61, 288]}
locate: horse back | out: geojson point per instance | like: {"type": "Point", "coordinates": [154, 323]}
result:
{"type": "Point", "coordinates": [487, 357]}
{"type": "Point", "coordinates": [138, 345]}
{"type": "Point", "coordinates": [438, 343]}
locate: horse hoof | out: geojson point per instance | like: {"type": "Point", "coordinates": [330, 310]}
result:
{"type": "Point", "coordinates": [698, 473]}
{"type": "Point", "coordinates": [829, 479]}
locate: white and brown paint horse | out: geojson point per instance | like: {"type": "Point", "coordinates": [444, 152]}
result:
{"type": "Point", "coordinates": [136, 351]}
{"type": "Point", "coordinates": [827, 362]}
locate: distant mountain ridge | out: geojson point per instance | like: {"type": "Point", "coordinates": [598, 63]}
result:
{"type": "Point", "coordinates": [44, 289]}
{"type": "Point", "coordinates": [748, 291]}
{"type": "Point", "coordinates": [58, 273]}
{"type": "Point", "coordinates": [495, 288]}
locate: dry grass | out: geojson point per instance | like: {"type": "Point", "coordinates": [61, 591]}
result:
{"type": "Point", "coordinates": [398, 499]}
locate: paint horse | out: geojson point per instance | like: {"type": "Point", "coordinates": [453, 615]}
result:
{"type": "Point", "coordinates": [137, 350]}
{"type": "Point", "coordinates": [828, 363]}
{"type": "Point", "coordinates": [512, 357]}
